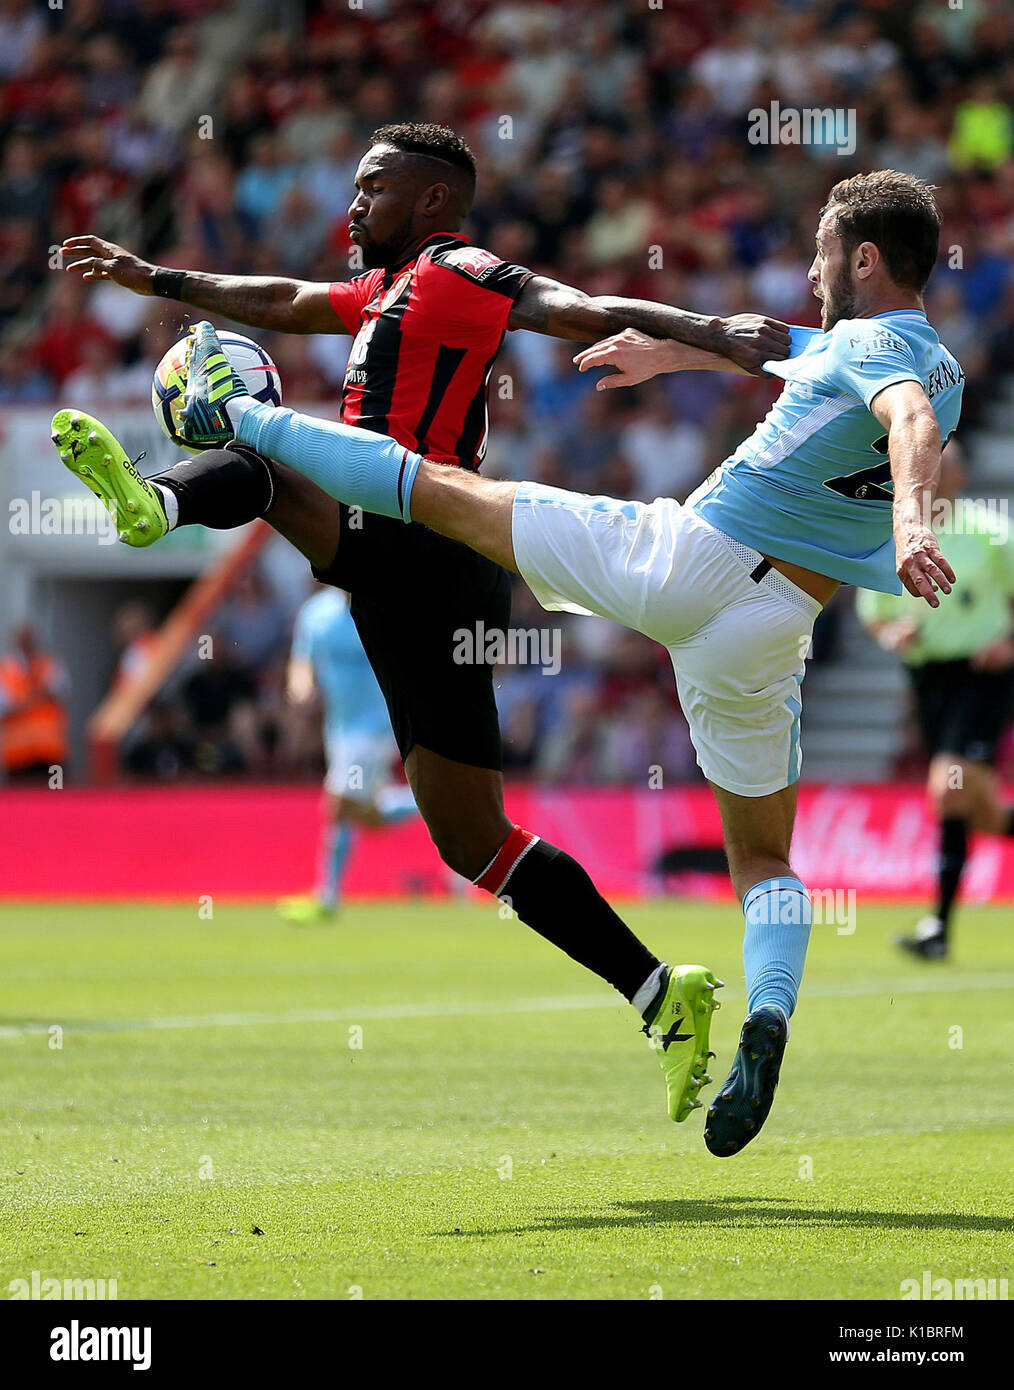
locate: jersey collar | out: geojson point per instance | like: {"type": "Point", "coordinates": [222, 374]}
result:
{"type": "Point", "coordinates": [414, 253]}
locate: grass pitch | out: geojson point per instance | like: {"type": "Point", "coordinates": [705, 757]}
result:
{"type": "Point", "coordinates": [207, 1124]}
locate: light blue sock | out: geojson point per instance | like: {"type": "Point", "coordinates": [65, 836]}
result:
{"type": "Point", "coordinates": [396, 804]}
{"type": "Point", "coordinates": [335, 851]}
{"type": "Point", "coordinates": [357, 467]}
{"type": "Point", "coordinates": [778, 915]}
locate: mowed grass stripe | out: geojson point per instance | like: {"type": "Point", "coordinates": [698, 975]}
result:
{"type": "Point", "coordinates": [501, 1132]}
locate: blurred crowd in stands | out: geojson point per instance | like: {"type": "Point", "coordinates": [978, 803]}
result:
{"type": "Point", "coordinates": [606, 716]}
{"type": "Point", "coordinates": [613, 147]}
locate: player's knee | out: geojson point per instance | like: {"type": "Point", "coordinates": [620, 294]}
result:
{"type": "Point", "coordinates": [952, 788]}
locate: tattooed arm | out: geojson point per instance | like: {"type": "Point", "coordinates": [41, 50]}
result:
{"type": "Point", "coordinates": [546, 306]}
{"type": "Point", "coordinates": [286, 306]}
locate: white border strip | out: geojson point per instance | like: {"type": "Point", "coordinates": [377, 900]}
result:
{"type": "Point", "coordinates": [557, 1003]}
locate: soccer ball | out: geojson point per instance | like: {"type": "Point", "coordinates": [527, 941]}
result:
{"type": "Point", "coordinates": [170, 381]}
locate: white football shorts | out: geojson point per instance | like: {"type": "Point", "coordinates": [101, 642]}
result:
{"type": "Point", "coordinates": [358, 765]}
{"type": "Point", "coordinates": [738, 644]}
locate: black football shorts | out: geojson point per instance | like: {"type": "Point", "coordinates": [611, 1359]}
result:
{"type": "Point", "coordinates": [961, 710]}
{"type": "Point", "coordinates": [413, 593]}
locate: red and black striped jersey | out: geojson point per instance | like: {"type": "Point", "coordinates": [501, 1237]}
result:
{"type": "Point", "coordinates": [426, 334]}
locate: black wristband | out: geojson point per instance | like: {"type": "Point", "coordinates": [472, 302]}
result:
{"type": "Point", "coordinates": [168, 284]}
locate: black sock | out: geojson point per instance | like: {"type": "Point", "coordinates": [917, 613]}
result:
{"type": "Point", "coordinates": [1008, 828]}
{"type": "Point", "coordinates": [953, 853]}
{"type": "Point", "coordinates": [554, 896]}
{"type": "Point", "coordinates": [220, 488]}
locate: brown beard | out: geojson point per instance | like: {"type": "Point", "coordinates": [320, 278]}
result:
{"type": "Point", "coordinates": [841, 300]}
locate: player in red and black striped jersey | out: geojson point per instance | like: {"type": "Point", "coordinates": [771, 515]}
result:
{"type": "Point", "coordinates": [428, 318]}
{"type": "Point", "coordinates": [427, 332]}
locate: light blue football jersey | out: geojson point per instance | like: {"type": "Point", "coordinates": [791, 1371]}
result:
{"type": "Point", "coordinates": [812, 484]}
{"type": "Point", "coordinates": [326, 636]}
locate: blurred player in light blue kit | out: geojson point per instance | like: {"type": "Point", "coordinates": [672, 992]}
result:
{"type": "Point", "coordinates": [327, 657]}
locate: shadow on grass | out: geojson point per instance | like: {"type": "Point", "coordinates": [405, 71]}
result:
{"type": "Point", "coordinates": [743, 1213]}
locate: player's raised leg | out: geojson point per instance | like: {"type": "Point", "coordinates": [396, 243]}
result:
{"type": "Point", "coordinates": [226, 488]}
{"type": "Point", "coordinates": [95, 455]}
{"type": "Point", "coordinates": [219, 488]}
{"type": "Point", "coordinates": [352, 465]}
{"type": "Point", "coordinates": [372, 472]}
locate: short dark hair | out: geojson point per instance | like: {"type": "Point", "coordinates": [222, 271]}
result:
{"type": "Point", "coordinates": [898, 213]}
{"type": "Point", "coordinates": [428, 139]}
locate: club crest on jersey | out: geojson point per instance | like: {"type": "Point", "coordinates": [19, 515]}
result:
{"type": "Point", "coordinates": [471, 259]}
{"type": "Point", "coordinates": [391, 296]}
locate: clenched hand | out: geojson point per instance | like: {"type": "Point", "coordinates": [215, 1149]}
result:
{"type": "Point", "coordinates": [750, 340]}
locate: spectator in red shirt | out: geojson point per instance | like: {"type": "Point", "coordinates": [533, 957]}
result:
{"type": "Point", "coordinates": [92, 186]}
{"type": "Point", "coordinates": [59, 348]}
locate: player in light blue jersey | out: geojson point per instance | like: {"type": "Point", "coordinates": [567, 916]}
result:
{"type": "Point", "coordinates": [841, 473]}
{"type": "Point", "coordinates": [813, 483]}
{"type": "Point", "coordinates": [327, 656]}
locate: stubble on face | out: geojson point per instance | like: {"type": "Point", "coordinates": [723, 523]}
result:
{"type": "Point", "coordinates": [377, 254]}
{"type": "Point", "coordinates": [839, 300]}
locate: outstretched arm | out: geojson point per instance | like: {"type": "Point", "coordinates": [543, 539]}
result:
{"type": "Point", "coordinates": [285, 306]}
{"type": "Point", "coordinates": [635, 358]}
{"type": "Point", "coordinates": [560, 311]}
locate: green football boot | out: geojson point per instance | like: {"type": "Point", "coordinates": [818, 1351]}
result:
{"type": "Point", "coordinates": [212, 382]}
{"type": "Point", "coordinates": [306, 910]}
{"type": "Point", "coordinates": [678, 1030]}
{"type": "Point", "coordinates": [94, 455]}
